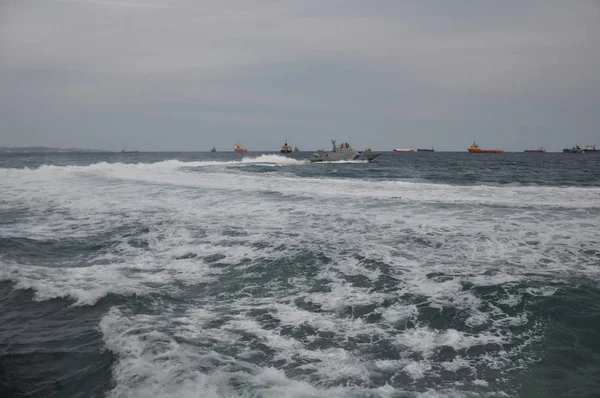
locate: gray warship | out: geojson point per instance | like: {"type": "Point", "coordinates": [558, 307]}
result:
{"type": "Point", "coordinates": [343, 152]}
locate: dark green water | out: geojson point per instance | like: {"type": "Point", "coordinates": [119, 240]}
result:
{"type": "Point", "coordinates": [258, 275]}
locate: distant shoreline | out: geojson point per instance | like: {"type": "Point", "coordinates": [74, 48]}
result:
{"type": "Point", "coordinates": [43, 149]}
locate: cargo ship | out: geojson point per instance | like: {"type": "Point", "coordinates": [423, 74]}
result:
{"type": "Point", "coordinates": [238, 148]}
{"type": "Point", "coordinates": [541, 149]}
{"type": "Point", "coordinates": [285, 148]}
{"type": "Point", "coordinates": [404, 150]}
{"type": "Point", "coordinates": [432, 149]}
{"type": "Point", "coordinates": [475, 149]}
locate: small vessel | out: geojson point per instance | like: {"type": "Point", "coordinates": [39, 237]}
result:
{"type": "Point", "coordinates": [128, 151]}
{"type": "Point", "coordinates": [285, 148]}
{"type": "Point", "coordinates": [540, 149]}
{"type": "Point", "coordinates": [426, 149]}
{"type": "Point", "coordinates": [584, 149]}
{"type": "Point", "coordinates": [575, 149]}
{"type": "Point", "coordinates": [296, 149]}
{"type": "Point", "coordinates": [238, 148]}
{"type": "Point", "coordinates": [343, 152]}
{"type": "Point", "coordinates": [475, 149]}
{"type": "Point", "coordinates": [404, 149]}
{"type": "Point", "coordinates": [213, 149]}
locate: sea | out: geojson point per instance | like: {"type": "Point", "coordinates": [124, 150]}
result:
{"type": "Point", "coordinates": [262, 275]}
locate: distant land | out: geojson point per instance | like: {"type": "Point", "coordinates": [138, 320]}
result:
{"type": "Point", "coordinates": [43, 149]}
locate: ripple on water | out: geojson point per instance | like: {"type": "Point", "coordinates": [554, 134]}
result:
{"type": "Point", "coordinates": [221, 279]}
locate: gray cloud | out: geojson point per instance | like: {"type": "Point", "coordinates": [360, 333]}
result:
{"type": "Point", "coordinates": [191, 74]}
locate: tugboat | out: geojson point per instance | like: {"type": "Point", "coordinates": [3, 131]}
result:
{"type": "Point", "coordinates": [286, 148]}
{"type": "Point", "coordinates": [238, 148]}
{"type": "Point", "coordinates": [404, 150]}
{"type": "Point", "coordinates": [475, 149]}
{"type": "Point", "coordinates": [213, 149]}
{"type": "Point", "coordinates": [343, 152]}
{"type": "Point", "coordinates": [541, 149]}
{"type": "Point", "coordinates": [426, 149]}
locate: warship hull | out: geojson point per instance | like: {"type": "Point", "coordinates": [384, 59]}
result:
{"type": "Point", "coordinates": [343, 152]}
{"type": "Point", "coordinates": [344, 155]}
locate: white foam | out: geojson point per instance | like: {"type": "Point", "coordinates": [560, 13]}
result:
{"type": "Point", "coordinates": [444, 394]}
{"type": "Point", "coordinates": [417, 370]}
{"type": "Point", "coordinates": [273, 159]}
{"type": "Point", "coordinates": [456, 364]}
{"type": "Point", "coordinates": [398, 313]}
{"type": "Point", "coordinates": [79, 284]}
{"type": "Point", "coordinates": [544, 291]}
{"type": "Point", "coordinates": [426, 340]}
{"type": "Point", "coordinates": [477, 319]}
{"type": "Point", "coordinates": [172, 226]}
{"type": "Point", "coordinates": [87, 285]}
{"type": "Point", "coordinates": [481, 383]}
{"type": "Point", "coordinates": [170, 172]}
{"type": "Point", "coordinates": [152, 364]}
{"type": "Point", "coordinates": [344, 296]}
{"type": "Point", "coordinates": [511, 300]}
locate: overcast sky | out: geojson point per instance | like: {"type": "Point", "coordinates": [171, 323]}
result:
{"type": "Point", "coordinates": [190, 74]}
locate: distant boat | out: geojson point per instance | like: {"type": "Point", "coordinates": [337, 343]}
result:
{"type": "Point", "coordinates": [575, 149]}
{"type": "Point", "coordinates": [296, 149]}
{"type": "Point", "coordinates": [238, 148]}
{"type": "Point", "coordinates": [344, 152]}
{"type": "Point", "coordinates": [578, 149]}
{"type": "Point", "coordinates": [285, 148]}
{"type": "Point", "coordinates": [404, 149]}
{"type": "Point", "coordinates": [213, 149]}
{"type": "Point", "coordinates": [426, 149]}
{"type": "Point", "coordinates": [541, 149]}
{"type": "Point", "coordinates": [128, 151]}
{"type": "Point", "coordinates": [475, 149]}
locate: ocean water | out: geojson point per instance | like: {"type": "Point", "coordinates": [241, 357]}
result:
{"type": "Point", "coordinates": [260, 275]}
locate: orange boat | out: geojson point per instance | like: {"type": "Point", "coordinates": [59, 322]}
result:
{"type": "Point", "coordinates": [475, 149]}
{"type": "Point", "coordinates": [238, 148]}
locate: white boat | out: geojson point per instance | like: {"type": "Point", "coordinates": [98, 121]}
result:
{"type": "Point", "coordinates": [285, 148]}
